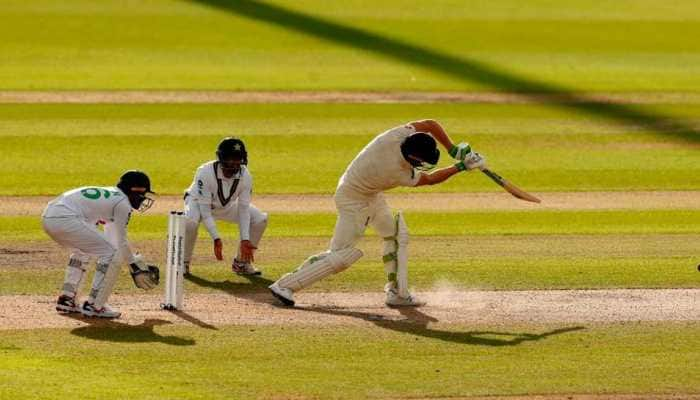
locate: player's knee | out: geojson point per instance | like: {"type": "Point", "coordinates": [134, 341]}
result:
{"type": "Point", "coordinates": [107, 256]}
{"type": "Point", "coordinates": [79, 260]}
{"type": "Point", "coordinates": [191, 223]}
{"type": "Point", "coordinates": [261, 221]}
{"type": "Point", "coordinates": [343, 259]}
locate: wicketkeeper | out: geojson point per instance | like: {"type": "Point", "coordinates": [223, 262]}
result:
{"type": "Point", "coordinates": [222, 190]}
{"type": "Point", "coordinates": [398, 157]}
{"type": "Point", "coordinates": [72, 220]}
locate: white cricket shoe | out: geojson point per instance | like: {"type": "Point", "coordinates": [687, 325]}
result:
{"type": "Point", "coordinates": [394, 300]}
{"type": "Point", "coordinates": [286, 296]}
{"type": "Point", "coordinates": [244, 268]}
{"type": "Point", "coordinates": [106, 311]}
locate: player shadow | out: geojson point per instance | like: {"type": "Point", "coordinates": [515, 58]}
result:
{"type": "Point", "coordinates": [462, 68]}
{"type": "Point", "coordinates": [119, 332]}
{"type": "Point", "coordinates": [192, 319]}
{"type": "Point", "coordinates": [416, 323]}
{"type": "Point", "coordinates": [255, 289]}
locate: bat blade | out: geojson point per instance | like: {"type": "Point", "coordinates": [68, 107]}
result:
{"type": "Point", "coordinates": [509, 187]}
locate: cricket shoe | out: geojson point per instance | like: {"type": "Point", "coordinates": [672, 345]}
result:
{"type": "Point", "coordinates": [66, 304]}
{"type": "Point", "coordinates": [89, 310]}
{"type": "Point", "coordinates": [394, 300]}
{"type": "Point", "coordinates": [244, 268]}
{"type": "Point", "coordinates": [286, 296]}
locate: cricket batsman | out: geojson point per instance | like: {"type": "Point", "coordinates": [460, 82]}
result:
{"type": "Point", "coordinates": [222, 190]}
{"type": "Point", "coordinates": [72, 220]}
{"type": "Point", "coordinates": [400, 156]}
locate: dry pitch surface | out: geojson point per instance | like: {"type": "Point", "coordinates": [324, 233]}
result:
{"type": "Point", "coordinates": [446, 306]}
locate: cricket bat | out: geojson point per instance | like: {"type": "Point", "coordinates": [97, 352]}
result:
{"type": "Point", "coordinates": [509, 187]}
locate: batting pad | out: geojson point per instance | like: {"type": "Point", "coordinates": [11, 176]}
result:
{"type": "Point", "coordinates": [318, 267]}
{"type": "Point", "coordinates": [402, 256]}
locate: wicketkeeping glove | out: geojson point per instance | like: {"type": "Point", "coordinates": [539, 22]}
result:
{"type": "Point", "coordinates": [145, 276]}
{"type": "Point", "coordinates": [461, 151]}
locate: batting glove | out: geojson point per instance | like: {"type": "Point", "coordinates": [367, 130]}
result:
{"type": "Point", "coordinates": [461, 151]}
{"type": "Point", "coordinates": [474, 161]}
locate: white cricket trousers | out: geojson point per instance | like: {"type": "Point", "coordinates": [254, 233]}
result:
{"type": "Point", "coordinates": [258, 223]}
{"type": "Point", "coordinates": [355, 213]}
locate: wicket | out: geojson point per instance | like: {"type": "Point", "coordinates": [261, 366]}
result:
{"type": "Point", "coordinates": [175, 263]}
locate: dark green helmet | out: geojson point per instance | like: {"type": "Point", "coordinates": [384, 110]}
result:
{"type": "Point", "coordinates": [420, 150]}
{"type": "Point", "coordinates": [232, 148]}
{"type": "Point", "coordinates": [136, 185]}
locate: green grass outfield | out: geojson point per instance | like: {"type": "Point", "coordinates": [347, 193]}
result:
{"type": "Point", "coordinates": [392, 360]}
{"type": "Point", "coordinates": [465, 223]}
{"type": "Point", "coordinates": [444, 45]}
{"type": "Point", "coordinates": [304, 148]}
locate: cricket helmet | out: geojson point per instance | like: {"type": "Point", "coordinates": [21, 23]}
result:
{"type": "Point", "coordinates": [136, 185]}
{"type": "Point", "coordinates": [420, 150]}
{"type": "Point", "coordinates": [232, 148]}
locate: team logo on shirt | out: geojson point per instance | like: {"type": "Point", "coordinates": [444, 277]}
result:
{"type": "Point", "coordinates": [94, 193]}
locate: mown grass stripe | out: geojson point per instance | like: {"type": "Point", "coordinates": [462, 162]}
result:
{"type": "Point", "coordinates": [428, 224]}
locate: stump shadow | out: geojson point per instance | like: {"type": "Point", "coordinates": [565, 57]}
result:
{"type": "Point", "coordinates": [255, 289]}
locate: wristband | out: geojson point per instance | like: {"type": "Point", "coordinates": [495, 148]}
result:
{"type": "Point", "coordinates": [460, 166]}
{"type": "Point", "coordinates": [453, 151]}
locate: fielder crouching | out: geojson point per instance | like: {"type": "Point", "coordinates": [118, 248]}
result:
{"type": "Point", "coordinates": [398, 157]}
{"type": "Point", "coordinates": [222, 190]}
{"type": "Point", "coordinates": [72, 221]}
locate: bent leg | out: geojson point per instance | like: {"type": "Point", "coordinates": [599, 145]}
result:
{"type": "Point", "coordinates": [75, 272]}
{"type": "Point", "coordinates": [350, 225]}
{"type": "Point", "coordinates": [318, 267]}
{"type": "Point", "coordinates": [77, 234]}
{"type": "Point", "coordinates": [384, 223]}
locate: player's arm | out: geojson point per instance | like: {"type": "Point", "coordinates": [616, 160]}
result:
{"type": "Point", "coordinates": [437, 176]}
{"type": "Point", "coordinates": [116, 230]}
{"type": "Point", "coordinates": [145, 276]}
{"type": "Point", "coordinates": [461, 151]}
{"type": "Point", "coordinates": [204, 200]}
{"type": "Point", "coordinates": [208, 218]}
{"type": "Point", "coordinates": [244, 199]}
{"type": "Point", "coordinates": [435, 130]}
{"type": "Point", "coordinates": [442, 174]}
